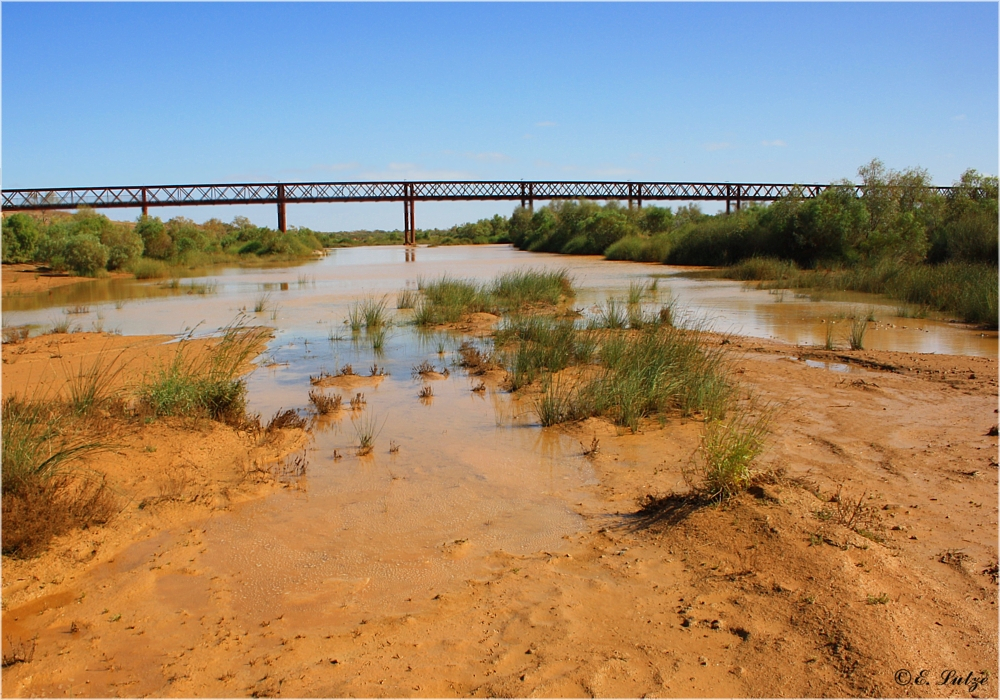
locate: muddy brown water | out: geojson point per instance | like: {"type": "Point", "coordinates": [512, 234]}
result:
{"type": "Point", "coordinates": [474, 474]}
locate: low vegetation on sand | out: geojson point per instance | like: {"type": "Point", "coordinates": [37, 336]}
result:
{"type": "Point", "coordinates": [448, 299]}
{"type": "Point", "coordinates": [46, 491]}
{"type": "Point", "coordinates": [628, 375]}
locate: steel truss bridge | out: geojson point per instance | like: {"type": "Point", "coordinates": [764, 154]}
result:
{"type": "Point", "coordinates": [282, 194]}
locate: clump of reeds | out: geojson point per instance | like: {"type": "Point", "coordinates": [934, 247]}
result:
{"type": "Point", "coordinates": [358, 402]}
{"type": "Point", "coordinates": [376, 371]}
{"type": "Point", "coordinates": [829, 344]}
{"type": "Point", "coordinates": [760, 268]}
{"type": "Point", "coordinates": [475, 360]}
{"type": "Point", "coordinates": [261, 303]}
{"type": "Point", "coordinates": [345, 371]}
{"type": "Point", "coordinates": [146, 268]}
{"type": "Point", "coordinates": [373, 312]}
{"type": "Point", "coordinates": [367, 429]}
{"type": "Point", "coordinates": [44, 491]}
{"type": "Point", "coordinates": [406, 299]}
{"type": "Point", "coordinates": [91, 386]}
{"type": "Point", "coordinates": [730, 446]}
{"type": "Point", "coordinates": [210, 383]}
{"type": "Point", "coordinates": [423, 368]}
{"type": "Point", "coordinates": [426, 392]}
{"type": "Point", "coordinates": [323, 403]}
{"type": "Point", "coordinates": [76, 310]}
{"type": "Point", "coordinates": [62, 326]}
{"type": "Point", "coordinates": [859, 326]}
{"type": "Point", "coordinates": [15, 334]}
{"type": "Point", "coordinates": [289, 419]}
{"type": "Point", "coordinates": [636, 291]}
{"type": "Point", "coordinates": [448, 299]}
{"type": "Point", "coordinates": [612, 315]}
{"type": "Point", "coordinates": [355, 319]}
{"type": "Point", "coordinates": [538, 343]}
{"type": "Point", "coordinates": [557, 403]}
{"type": "Point", "coordinates": [377, 336]}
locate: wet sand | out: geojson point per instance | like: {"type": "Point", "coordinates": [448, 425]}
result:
{"type": "Point", "coordinates": [763, 596]}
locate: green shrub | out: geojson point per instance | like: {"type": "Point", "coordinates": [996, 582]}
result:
{"type": "Point", "coordinates": [124, 246]}
{"type": "Point", "coordinates": [20, 234]}
{"type": "Point", "coordinates": [86, 255]}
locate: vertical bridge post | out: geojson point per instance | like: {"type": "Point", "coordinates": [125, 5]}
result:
{"type": "Point", "coordinates": [406, 214]}
{"type": "Point", "coordinates": [281, 208]}
{"type": "Point", "coordinates": [145, 207]}
{"type": "Point", "coordinates": [413, 219]}
{"type": "Point", "coordinates": [409, 218]}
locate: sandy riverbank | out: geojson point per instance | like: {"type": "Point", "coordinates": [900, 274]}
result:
{"type": "Point", "coordinates": [767, 595]}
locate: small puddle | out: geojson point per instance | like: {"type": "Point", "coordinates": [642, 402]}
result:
{"type": "Point", "coordinates": [831, 366]}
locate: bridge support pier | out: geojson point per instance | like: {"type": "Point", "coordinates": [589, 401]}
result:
{"type": "Point", "coordinates": [281, 209]}
{"type": "Point", "coordinates": [145, 207]}
{"type": "Point", "coordinates": [409, 225]}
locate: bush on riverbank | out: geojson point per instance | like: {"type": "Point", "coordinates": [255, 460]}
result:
{"type": "Point", "coordinates": [89, 244]}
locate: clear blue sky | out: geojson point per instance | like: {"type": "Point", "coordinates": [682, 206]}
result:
{"type": "Point", "coordinates": [164, 93]}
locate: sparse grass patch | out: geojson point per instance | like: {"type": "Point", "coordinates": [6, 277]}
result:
{"type": "Point", "coordinates": [406, 299]}
{"type": "Point", "coordinates": [881, 599]}
{"type": "Point", "coordinates": [858, 514]}
{"type": "Point", "coordinates": [76, 310]}
{"type": "Point", "coordinates": [426, 392]}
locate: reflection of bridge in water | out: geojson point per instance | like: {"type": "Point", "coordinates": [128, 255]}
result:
{"type": "Point", "coordinates": [408, 193]}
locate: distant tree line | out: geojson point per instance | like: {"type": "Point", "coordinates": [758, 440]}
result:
{"type": "Point", "coordinates": [88, 243]}
{"type": "Point", "coordinates": [898, 218]}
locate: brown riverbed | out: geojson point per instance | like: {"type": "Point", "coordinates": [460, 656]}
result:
{"type": "Point", "coordinates": [489, 556]}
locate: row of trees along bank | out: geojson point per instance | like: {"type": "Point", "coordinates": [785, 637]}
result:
{"type": "Point", "coordinates": [88, 243]}
{"type": "Point", "coordinates": [900, 238]}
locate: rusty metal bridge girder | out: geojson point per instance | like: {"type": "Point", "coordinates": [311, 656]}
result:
{"type": "Point", "coordinates": [282, 194]}
{"type": "Point", "coordinates": [300, 193]}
